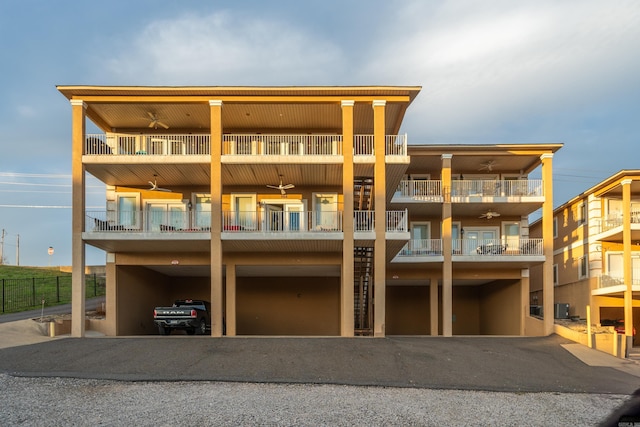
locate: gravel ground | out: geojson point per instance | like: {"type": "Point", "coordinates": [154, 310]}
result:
{"type": "Point", "coordinates": [79, 402]}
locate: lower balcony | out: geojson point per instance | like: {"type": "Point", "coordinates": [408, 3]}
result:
{"type": "Point", "coordinates": [472, 250]}
{"type": "Point", "coordinates": [613, 286]}
{"type": "Point", "coordinates": [271, 220]}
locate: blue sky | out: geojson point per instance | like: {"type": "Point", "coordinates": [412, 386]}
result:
{"type": "Point", "coordinates": [542, 71]}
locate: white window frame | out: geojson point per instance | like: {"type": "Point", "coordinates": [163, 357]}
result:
{"type": "Point", "coordinates": [116, 215]}
{"type": "Point", "coordinates": [184, 223]}
{"type": "Point", "coordinates": [555, 227]}
{"type": "Point", "coordinates": [195, 212]}
{"type": "Point", "coordinates": [288, 206]}
{"type": "Point", "coordinates": [252, 225]}
{"type": "Point", "coordinates": [424, 243]}
{"type": "Point", "coordinates": [319, 223]}
{"type": "Point", "coordinates": [513, 242]}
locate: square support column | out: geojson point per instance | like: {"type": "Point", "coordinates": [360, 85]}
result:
{"type": "Point", "coordinates": [78, 305]}
{"type": "Point", "coordinates": [447, 249]}
{"type": "Point", "coordinates": [347, 284]}
{"type": "Point", "coordinates": [627, 263]}
{"type": "Point", "coordinates": [216, 218]}
{"type": "Point", "coordinates": [547, 240]}
{"type": "Point", "coordinates": [380, 219]}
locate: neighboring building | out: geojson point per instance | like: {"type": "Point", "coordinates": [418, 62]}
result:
{"type": "Point", "coordinates": [596, 256]}
{"type": "Point", "coordinates": [303, 211]}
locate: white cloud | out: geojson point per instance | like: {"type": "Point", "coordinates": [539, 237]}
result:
{"type": "Point", "coordinates": [483, 64]}
{"type": "Point", "coordinates": [225, 49]}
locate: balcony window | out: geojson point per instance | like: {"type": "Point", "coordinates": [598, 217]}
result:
{"type": "Point", "coordinates": [127, 210]}
{"type": "Point", "coordinates": [511, 234]}
{"type": "Point", "coordinates": [203, 210]}
{"type": "Point", "coordinates": [163, 215]}
{"type": "Point", "coordinates": [243, 208]}
{"type": "Point", "coordinates": [325, 209]}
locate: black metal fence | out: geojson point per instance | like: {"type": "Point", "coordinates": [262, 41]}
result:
{"type": "Point", "coordinates": [24, 294]}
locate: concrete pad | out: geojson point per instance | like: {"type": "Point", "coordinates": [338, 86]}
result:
{"type": "Point", "coordinates": [23, 332]}
{"type": "Point", "coordinates": [593, 357]}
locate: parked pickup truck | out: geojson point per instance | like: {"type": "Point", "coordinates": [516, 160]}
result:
{"type": "Point", "coordinates": [192, 316]}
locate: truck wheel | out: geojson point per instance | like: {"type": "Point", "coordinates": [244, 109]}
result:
{"type": "Point", "coordinates": [163, 330]}
{"type": "Point", "coordinates": [202, 330]}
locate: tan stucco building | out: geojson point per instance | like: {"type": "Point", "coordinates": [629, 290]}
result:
{"type": "Point", "coordinates": [304, 211]}
{"type": "Point", "coordinates": [596, 255]}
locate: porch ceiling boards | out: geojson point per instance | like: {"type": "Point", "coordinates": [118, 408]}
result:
{"type": "Point", "coordinates": [269, 245]}
{"type": "Point", "coordinates": [176, 174]}
{"type": "Point", "coordinates": [245, 109]}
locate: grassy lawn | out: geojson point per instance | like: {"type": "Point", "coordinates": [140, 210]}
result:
{"type": "Point", "coordinates": [17, 272]}
{"type": "Point", "coordinates": [25, 288]}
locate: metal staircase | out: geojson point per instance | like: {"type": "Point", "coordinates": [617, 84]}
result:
{"type": "Point", "coordinates": [363, 263]}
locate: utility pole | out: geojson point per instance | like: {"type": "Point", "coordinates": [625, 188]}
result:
{"type": "Point", "coordinates": [2, 248]}
{"type": "Point", "coordinates": [17, 249]}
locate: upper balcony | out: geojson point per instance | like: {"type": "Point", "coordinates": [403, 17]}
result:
{"type": "Point", "coordinates": [275, 147]}
{"type": "Point", "coordinates": [471, 197]}
{"type": "Point", "coordinates": [474, 190]}
{"type": "Point", "coordinates": [610, 228]}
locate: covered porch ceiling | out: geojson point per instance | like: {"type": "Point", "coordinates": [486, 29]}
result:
{"type": "Point", "coordinates": [245, 109]}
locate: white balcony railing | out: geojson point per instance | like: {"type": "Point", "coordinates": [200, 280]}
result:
{"type": "Point", "coordinates": [509, 246]}
{"type": "Point", "coordinates": [605, 281]}
{"type": "Point", "coordinates": [422, 247]}
{"type": "Point", "coordinates": [281, 145]}
{"type": "Point", "coordinates": [395, 145]}
{"type": "Point", "coordinates": [497, 188]}
{"type": "Point", "coordinates": [397, 221]}
{"type": "Point", "coordinates": [148, 221]}
{"type": "Point", "coordinates": [425, 190]}
{"type": "Point", "coordinates": [617, 220]}
{"type": "Point", "coordinates": [281, 222]}
{"type": "Point", "coordinates": [161, 144]}
{"type": "Point", "coordinates": [182, 220]}
{"type": "Point", "coordinates": [363, 221]}
{"type": "Point", "coordinates": [238, 145]}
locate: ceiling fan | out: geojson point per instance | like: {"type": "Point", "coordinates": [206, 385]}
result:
{"type": "Point", "coordinates": [487, 166]}
{"type": "Point", "coordinates": [155, 122]}
{"type": "Point", "coordinates": [490, 214]}
{"type": "Point", "coordinates": [282, 187]}
{"type": "Point", "coordinates": [154, 185]}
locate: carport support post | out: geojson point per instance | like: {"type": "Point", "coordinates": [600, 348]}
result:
{"type": "Point", "coordinates": [216, 218]}
{"type": "Point", "coordinates": [433, 303]}
{"type": "Point", "coordinates": [447, 249]}
{"type": "Point", "coordinates": [78, 109]}
{"type": "Point", "coordinates": [524, 299]}
{"type": "Point", "coordinates": [230, 318]}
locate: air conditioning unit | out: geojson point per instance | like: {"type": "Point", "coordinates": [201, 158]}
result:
{"type": "Point", "coordinates": [561, 311]}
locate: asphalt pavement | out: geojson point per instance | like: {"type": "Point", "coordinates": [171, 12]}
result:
{"type": "Point", "coordinates": [513, 364]}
